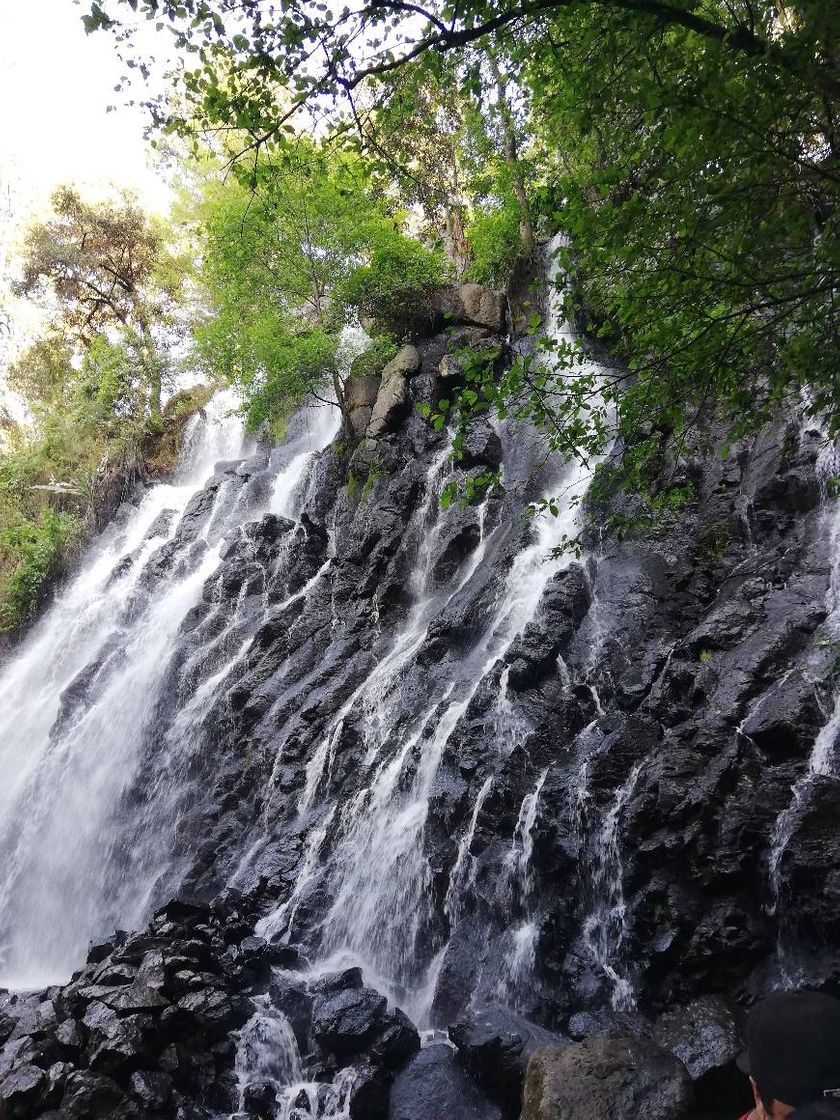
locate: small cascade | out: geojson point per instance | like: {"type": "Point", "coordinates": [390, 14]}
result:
{"type": "Point", "coordinates": [605, 928]}
{"type": "Point", "coordinates": [318, 1100]}
{"type": "Point", "coordinates": [822, 762]}
{"type": "Point", "coordinates": [266, 1052]}
{"type": "Point", "coordinates": [509, 728]}
{"type": "Point", "coordinates": [70, 745]}
{"type": "Point", "coordinates": [462, 877]}
{"type": "Point", "coordinates": [388, 672]}
{"type": "Point", "coordinates": [522, 846]}
{"type": "Point", "coordinates": [517, 971]}
{"type": "Point", "coordinates": [95, 761]}
{"type": "Point", "coordinates": [270, 1075]}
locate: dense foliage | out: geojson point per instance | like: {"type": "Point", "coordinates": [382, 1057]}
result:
{"type": "Point", "coordinates": [92, 383]}
{"type": "Point", "coordinates": [288, 257]}
{"type": "Point", "coordinates": [690, 152]}
{"type": "Point", "coordinates": [343, 164]}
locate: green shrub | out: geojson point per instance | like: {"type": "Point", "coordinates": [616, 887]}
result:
{"type": "Point", "coordinates": [301, 363]}
{"type": "Point", "coordinates": [393, 288]}
{"type": "Point", "coordinates": [496, 244]}
{"type": "Point", "coordinates": [39, 548]}
{"type": "Point", "coordinates": [373, 360]}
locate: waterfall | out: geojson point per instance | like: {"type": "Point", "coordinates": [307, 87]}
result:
{"type": "Point", "coordinates": [92, 762]}
{"type": "Point", "coordinates": [605, 928]}
{"type": "Point", "coordinates": [518, 964]}
{"type": "Point", "coordinates": [822, 761]}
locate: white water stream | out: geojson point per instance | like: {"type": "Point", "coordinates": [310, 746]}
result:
{"type": "Point", "coordinates": [77, 858]}
{"type": "Point", "coordinates": [822, 762]}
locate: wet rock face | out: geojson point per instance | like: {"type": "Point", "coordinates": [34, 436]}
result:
{"type": "Point", "coordinates": [434, 1085]}
{"type": "Point", "coordinates": [494, 1046]}
{"type": "Point", "coordinates": [597, 829]}
{"type": "Point", "coordinates": [142, 1029]}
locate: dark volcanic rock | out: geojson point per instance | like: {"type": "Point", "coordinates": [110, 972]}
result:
{"type": "Point", "coordinates": [705, 1035]}
{"type": "Point", "coordinates": [494, 1045]}
{"type": "Point", "coordinates": [434, 1085]}
{"type": "Point", "coordinates": [578, 785]}
{"type": "Point", "coordinates": [344, 1022]}
{"type": "Point", "coordinates": [20, 1090]}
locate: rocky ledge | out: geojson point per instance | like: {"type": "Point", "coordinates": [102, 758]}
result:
{"type": "Point", "coordinates": [161, 1023]}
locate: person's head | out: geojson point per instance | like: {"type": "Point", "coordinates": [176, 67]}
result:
{"type": "Point", "coordinates": [793, 1053]}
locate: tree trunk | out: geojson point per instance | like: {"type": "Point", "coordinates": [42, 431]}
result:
{"type": "Point", "coordinates": [154, 390]}
{"type": "Point", "coordinates": [457, 246]}
{"type": "Point", "coordinates": [512, 156]}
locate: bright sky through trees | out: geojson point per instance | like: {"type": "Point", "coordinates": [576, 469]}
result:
{"type": "Point", "coordinates": [56, 84]}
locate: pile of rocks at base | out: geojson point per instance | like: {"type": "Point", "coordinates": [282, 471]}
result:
{"type": "Point", "coordinates": [150, 1026]}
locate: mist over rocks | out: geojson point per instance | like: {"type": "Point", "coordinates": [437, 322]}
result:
{"type": "Point", "coordinates": [397, 772]}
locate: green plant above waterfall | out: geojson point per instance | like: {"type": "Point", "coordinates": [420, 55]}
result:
{"type": "Point", "coordinates": [691, 156]}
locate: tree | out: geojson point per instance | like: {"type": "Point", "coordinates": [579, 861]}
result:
{"type": "Point", "coordinates": [690, 152]}
{"type": "Point", "coordinates": [413, 128]}
{"type": "Point", "coordinates": [250, 50]}
{"type": "Point", "coordinates": [105, 266]}
{"type": "Point", "coordinates": [280, 244]}
{"type": "Point", "coordinates": [511, 150]}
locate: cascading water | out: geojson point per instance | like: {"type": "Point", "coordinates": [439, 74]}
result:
{"type": "Point", "coordinates": [388, 733]}
{"type": "Point", "coordinates": [605, 928]}
{"type": "Point", "coordinates": [367, 850]}
{"type": "Point", "coordinates": [91, 771]}
{"type": "Point", "coordinates": [822, 762]}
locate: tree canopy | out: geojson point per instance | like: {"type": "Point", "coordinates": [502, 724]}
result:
{"type": "Point", "coordinates": [690, 152]}
{"type": "Point", "coordinates": [105, 266]}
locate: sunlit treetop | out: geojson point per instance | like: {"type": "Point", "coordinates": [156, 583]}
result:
{"type": "Point", "coordinates": [249, 65]}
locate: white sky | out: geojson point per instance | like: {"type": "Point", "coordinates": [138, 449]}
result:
{"type": "Point", "coordinates": [56, 84]}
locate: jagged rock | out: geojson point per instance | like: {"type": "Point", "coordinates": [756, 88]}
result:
{"type": "Point", "coordinates": [291, 997]}
{"type": "Point", "coordinates": [395, 1041]}
{"type": "Point", "coordinates": [495, 1046]}
{"type": "Point", "coordinates": [458, 972]}
{"type": "Point", "coordinates": [259, 1098]}
{"type": "Point", "coordinates": [705, 1035]}
{"type": "Point", "coordinates": [151, 1089]}
{"type": "Point", "coordinates": [787, 718]}
{"type": "Point", "coordinates": [481, 447]}
{"type": "Point", "coordinates": [606, 1079]}
{"type": "Point", "coordinates": [20, 1089]}
{"type": "Point", "coordinates": [119, 1045]}
{"type": "Point", "coordinates": [359, 398]}
{"type": "Point", "coordinates": [343, 1023]}
{"type": "Point", "coordinates": [338, 981]}
{"type": "Point", "coordinates": [162, 524]}
{"type": "Point", "coordinates": [668, 693]}
{"type": "Point", "coordinates": [472, 305]}
{"type": "Point", "coordinates": [89, 1094]}
{"type": "Point", "coordinates": [434, 1085]}
{"type": "Point", "coordinates": [370, 1093]}
{"type": "Point", "coordinates": [392, 397]}
{"type": "Point", "coordinates": [210, 1008]}
{"type": "Point", "coordinates": [596, 1024]}
{"type": "Point", "coordinates": [136, 997]}
{"type": "Point", "coordinates": [69, 1034]}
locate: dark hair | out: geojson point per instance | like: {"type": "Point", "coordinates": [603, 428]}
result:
{"type": "Point", "coordinates": [827, 1109]}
